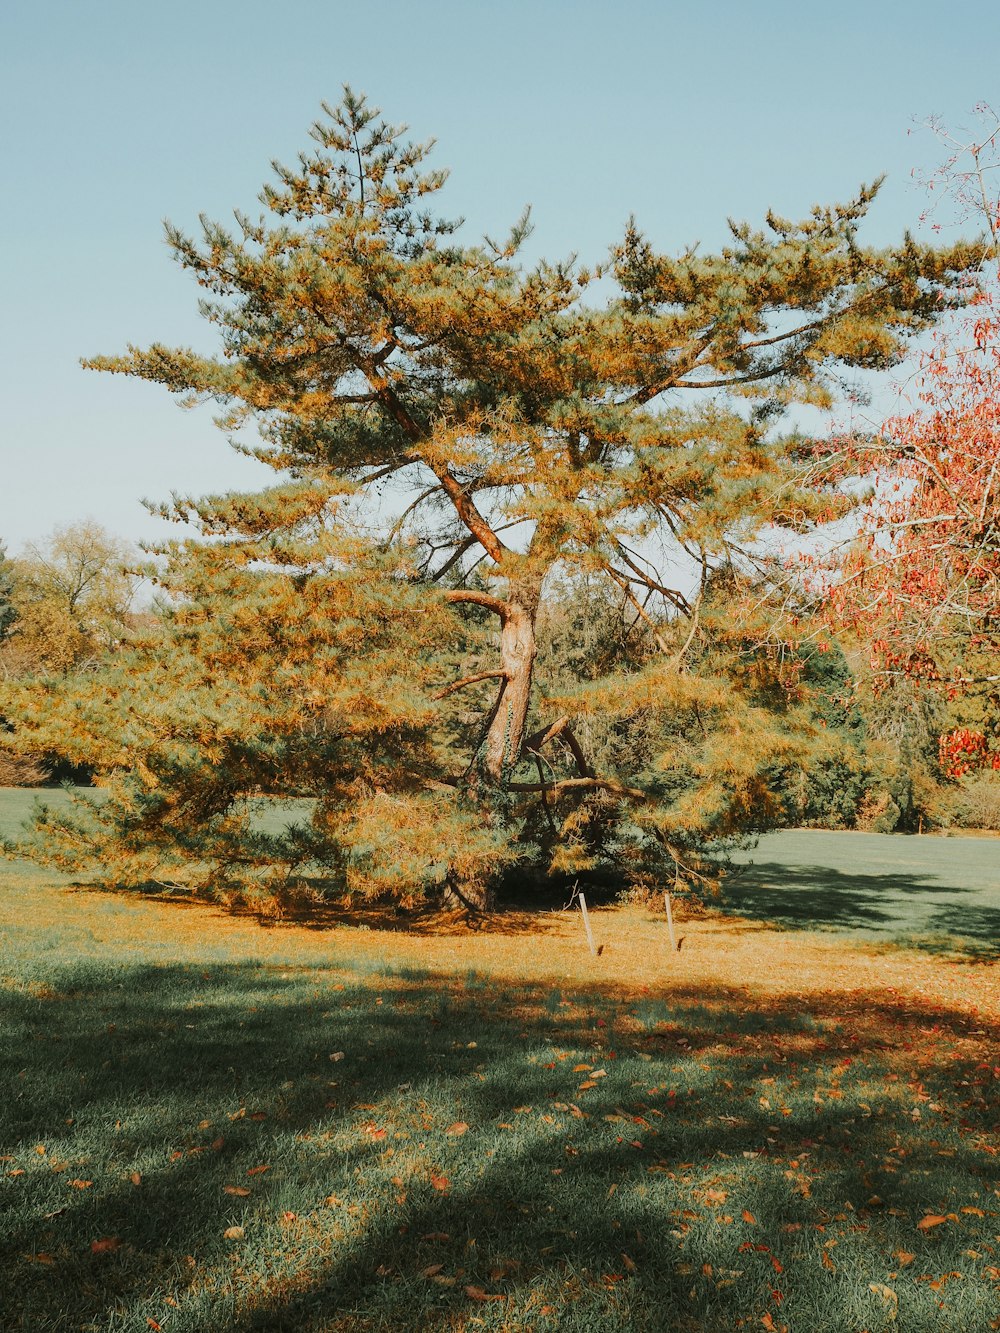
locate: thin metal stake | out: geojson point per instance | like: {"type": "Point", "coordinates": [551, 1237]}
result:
{"type": "Point", "coordinates": [586, 924]}
{"type": "Point", "coordinates": [670, 919]}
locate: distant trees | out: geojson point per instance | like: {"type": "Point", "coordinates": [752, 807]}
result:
{"type": "Point", "coordinates": [924, 587]}
{"type": "Point", "coordinates": [65, 607]}
{"type": "Point", "coordinates": [468, 449]}
{"type": "Point", "coordinates": [70, 600]}
{"type": "Point", "coordinates": [8, 612]}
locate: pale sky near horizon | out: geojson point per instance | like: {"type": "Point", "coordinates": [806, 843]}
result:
{"type": "Point", "coordinates": [118, 114]}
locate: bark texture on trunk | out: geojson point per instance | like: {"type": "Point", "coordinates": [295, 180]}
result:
{"type": "Point", "coordinates": [501, 746]}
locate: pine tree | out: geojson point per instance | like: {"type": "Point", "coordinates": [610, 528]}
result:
{"type": "Point", "coordinates": [464, 433]}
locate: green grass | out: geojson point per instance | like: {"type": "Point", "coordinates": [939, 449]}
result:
{"type": "Point", "coordinates": [931, 891]}
{"type": "Point", "coordinates": [451, 1169]}
{"type": "Point", "coordinates": [699, 1182]}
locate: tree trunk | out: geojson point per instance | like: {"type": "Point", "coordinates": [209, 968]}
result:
{"type": "Point", "coordinates": [500, 748]}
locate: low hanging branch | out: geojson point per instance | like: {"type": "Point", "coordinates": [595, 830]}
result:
{"type": "Point", "coordinates": [581, 784]}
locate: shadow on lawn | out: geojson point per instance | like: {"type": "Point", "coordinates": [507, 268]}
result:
{"type": "Point", "coordinates": [818, 898]}
{"type": "Point", "coordinates": [604, 1214]}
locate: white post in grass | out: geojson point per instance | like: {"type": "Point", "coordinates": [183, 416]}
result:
{"type": "Point", "coordinates": [670, 919]}
{"type": "Point", "coordinates": [586, 923]}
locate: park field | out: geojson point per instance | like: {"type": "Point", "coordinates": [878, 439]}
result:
{"type": "Point", "coordinates": [213, 1121]}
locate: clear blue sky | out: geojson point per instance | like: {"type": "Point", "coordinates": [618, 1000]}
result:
{"type": "Point", "coordinates": [116, 115]}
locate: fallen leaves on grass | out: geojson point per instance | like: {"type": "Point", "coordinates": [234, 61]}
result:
{"type": "Point", "coordinates": [240, 1191]}
{"type": "Point", "coordinates": [106, 1245]}
{"type": "Point", "coordinates": [441, 1183]}
{"type": "Point", "coordinates": [234, 1233]}
{"type": "Point", "coordinates": [80, 1184]}
{"type": "Point", "coordinates": [931, 1220]}
{"type": "Point", "coordinates": [457, 1129]}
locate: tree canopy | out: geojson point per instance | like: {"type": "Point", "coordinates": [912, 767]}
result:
{"type": "Point", "coordinates": [469, 450]}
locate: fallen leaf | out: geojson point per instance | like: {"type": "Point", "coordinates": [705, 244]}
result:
{"type": "Point", "coordinates": [903, 1257]}
{"type": "Point", "coordinates": [827, 1262]}
{"type": "Point", "coordinates": [441, 1183]}
{"type": "Point", "coordinates": [587, 1084]}
{"type": "Point", "coordinates": [976, 1212]}
{"type": "Point", "coordinates": [258, 1170]}
{"type": "Point", "coordinates": [151, 1323]}
{"type": "Point", "coordinates": [431, 1269]}
{"type": "Point", "coordinates": [459, 1127]}
{"type": "Point", "coordinates": [435, 1235]}
{"type": "Point", "coordinates": [234, 1233]}
{"type": "Point", "coordinates": [931, 1220]}
{"type": "Point", "coordinates": [40, 1258]}
{"type": "Point", "coordinates": [888, 1295]}
{"type": "Point", "coordinates": [135, 1178]}
{"type": "Point", "coordinates": [579, 1069]}
{"type": "Point", "coordinates": [240, 1191]}
{"type": "Point", "coordinates": [218, 1144]}
{"type": "Point", "coordinates": [106, 1245]}
{"type": "Point", "coordinates": [80, 1184]}
{"type": "Point", "coordinates": [477, 1294]}
{"type": "Point", "coordinates": [337, 1055]}
{"type": "Point", "coordinates": [749, 1218]}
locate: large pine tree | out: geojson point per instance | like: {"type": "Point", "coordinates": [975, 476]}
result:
{"type": "Point", "coordinates": [462, 437]}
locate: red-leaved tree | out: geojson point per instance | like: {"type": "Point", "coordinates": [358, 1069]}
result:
{"type": "Point", "coordinates": [923, 584]}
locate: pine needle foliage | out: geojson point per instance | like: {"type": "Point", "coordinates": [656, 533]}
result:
{"type": "Point", "coordinates": [461, 435]}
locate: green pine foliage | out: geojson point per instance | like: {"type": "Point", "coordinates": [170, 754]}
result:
{"type": "Point", "coordinates": [462, 438]}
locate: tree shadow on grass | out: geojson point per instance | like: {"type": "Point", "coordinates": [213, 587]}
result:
{"type": "Point", "coordinates": [428, 918]}
{"type": "Point", "coordinates": [403, 1147]}
{"type": "Point", "coordinates": [821, 898]}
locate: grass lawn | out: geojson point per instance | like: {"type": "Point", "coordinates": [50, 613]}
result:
{"type": "Point", "coordinates": [931, 892]}
{"type": "Point", "coordinates": [213, 1123]}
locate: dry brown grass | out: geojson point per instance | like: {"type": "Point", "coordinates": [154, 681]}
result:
{"type": "Point", "coordinates": [719, 955]}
